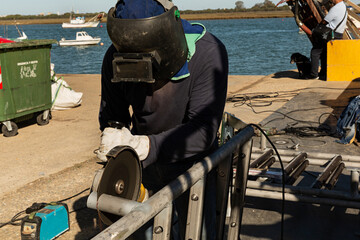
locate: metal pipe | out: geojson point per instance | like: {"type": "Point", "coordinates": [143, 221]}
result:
{"type": "Point", "coordinates": [265, 156]}
{"type": "Point", "coordinates": [295, 163]}
{"type": "Point", "coordinates": [335, 176]}
{"type": "Point", "coordinates": [268, 163]}
{"type": "Point", "coordinates": [129, 223]}
{"type": "Point", "coordinates": [323, 193]}
{"type": "Point", "coordinates": [287, 159]}
{"type": "Point", "coordinates": [295, 174]}
{"type": "Point", "coordinates": [354, 183]}
{"type": "Point", "coordinates": [262, 141]}
{"type": "Point", "coordinates": [324, 176]}
{"type": "Point", "coordinates": [314, 155]}
{"type": "Point", "coordinates": [111, 204]}
{"type": "Point", "coordinates": [301, 198]}
{"type": "Point", "coordinates": [314, 162]}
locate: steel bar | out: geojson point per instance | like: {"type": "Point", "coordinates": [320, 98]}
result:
{"type": "Point", "coordinates": [312, 161]}
{"type": "Point", "coordinates": [335, 176]}
{"type": "Point", "coordinates": [324, 176]}
{"type": "Point", "coordinates": [322, 193]}
{"type": "Point", "coordinates": [263, 142]}
{"type": "Point", "coordinates": [297, 160]}
{"type": "Point", "coordinates": [296, 174]}
{"type": "Point", "coordinates": [312, 155]}
{"type": "Point", "coordinates": [111, 204]}
{"type": "Point", "coordinates": [129, 223]}
{"type": "Point", "coordinates": [195, 210]}
{"type": "Point", "coordinates": [354, 186]}
{"type": "Point", "coordinates": [162, 224]}
{"type": "Point", "coordinates": [268, 163]}
{"type": "Point", "coordinates": [265, 156]}
{"type": "Point", "coordinates": [224, 174]}
{"type": "Point", "coordinates": [301, 198]}
{"type": "Point", "coordinates": [238, 195]}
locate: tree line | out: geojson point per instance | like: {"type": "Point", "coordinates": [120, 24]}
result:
{"type": "Point", "coordinates": [267, 5]}
{"type": "Point", "coordinates": [49, 16]}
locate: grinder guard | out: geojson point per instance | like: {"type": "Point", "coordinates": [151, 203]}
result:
{"type": "Point", "coordinates": [121, 178]}
{"type": "Point", "coordinates": [160, 37]}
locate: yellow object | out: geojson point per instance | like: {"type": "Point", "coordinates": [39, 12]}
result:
{"type": "Point", "coordinates": [144, 195]}
{"type": "Point", "coordinates": [343, 60]}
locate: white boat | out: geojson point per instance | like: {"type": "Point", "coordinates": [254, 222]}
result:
{"type": "Point", "coordinates": [82, 38]}
{"type": "Point", "coordinates": [79, 22]}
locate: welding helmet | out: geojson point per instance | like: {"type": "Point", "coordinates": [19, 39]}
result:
{"type": "Point", "coordinates": [149, 39]}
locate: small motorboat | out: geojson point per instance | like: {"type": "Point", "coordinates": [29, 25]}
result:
{"type": "Point", "coordinates": [79, 22]}
{"type": "Point", "coordinates": [82, 38]}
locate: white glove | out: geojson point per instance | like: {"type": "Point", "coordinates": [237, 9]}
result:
{"type": "Point", "coordinates": [112, 137]}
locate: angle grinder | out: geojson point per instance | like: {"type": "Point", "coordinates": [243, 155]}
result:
{"type": "Point", "coordinates": [120, 177]}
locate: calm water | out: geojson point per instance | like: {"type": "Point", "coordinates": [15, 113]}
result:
{"type": "Point", "coordinates": [255, 46]}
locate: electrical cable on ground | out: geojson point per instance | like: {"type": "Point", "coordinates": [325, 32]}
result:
{"type": "Point", "coordinates": [249, 99]}
{"type": "Point", "coordinates": [17, 218]}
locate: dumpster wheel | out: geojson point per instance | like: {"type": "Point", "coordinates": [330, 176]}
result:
{"type": "Point", "coordinates": [7, 133]}
{"type": "Point", "coordinates": [40, 119]}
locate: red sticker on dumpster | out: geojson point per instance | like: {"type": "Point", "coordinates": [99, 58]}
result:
{"type": "Point", "coordinates": [0, 79]}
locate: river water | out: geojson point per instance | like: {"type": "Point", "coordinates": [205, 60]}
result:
{"type": "Point", "coordinates": [255, 46]}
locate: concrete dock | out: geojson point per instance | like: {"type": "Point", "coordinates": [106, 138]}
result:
{"type": "Point", "coordinates": [56, 161]}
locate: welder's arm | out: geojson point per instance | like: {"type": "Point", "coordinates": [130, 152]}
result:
{"type": "Point", "coordinates": [193, 138]}
{"type": "Point", "coordinates": [113, 106]}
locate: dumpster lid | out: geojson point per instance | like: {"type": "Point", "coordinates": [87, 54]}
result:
{"type": "Point", "coordinates": [27, 43]}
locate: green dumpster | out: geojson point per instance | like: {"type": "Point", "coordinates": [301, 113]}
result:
{"type": "Point", "coordinates": [25, 85]}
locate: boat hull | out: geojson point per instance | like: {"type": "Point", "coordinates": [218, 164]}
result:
{"type": "Point", "coordinates": [79, 43]}
{"type": "Point", "coordinates": [81, 25]}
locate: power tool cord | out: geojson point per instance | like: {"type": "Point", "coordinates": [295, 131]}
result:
{"type": "Point", "coordinates": [36, 206]}
{"type": "Point", "coordinates": [282, 179]}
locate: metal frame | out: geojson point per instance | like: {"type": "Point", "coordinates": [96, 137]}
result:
{"type": "Point", "coordinates": [327, 178]}
{"type": "Point", "coordinates": [159, 205]}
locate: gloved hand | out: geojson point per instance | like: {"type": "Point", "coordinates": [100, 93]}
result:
{"type": "Point", "coordinates": [112, 137]}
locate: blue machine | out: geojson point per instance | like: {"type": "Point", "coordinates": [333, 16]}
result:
{"type": "Point", "coordinates": [47, 223]}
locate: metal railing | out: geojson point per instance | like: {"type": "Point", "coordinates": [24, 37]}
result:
{"type": "Point", "coordinates": [159, 206]}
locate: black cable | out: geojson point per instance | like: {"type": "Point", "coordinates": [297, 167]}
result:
{"type": "Point", "coordinates": [282, 179]}
{"type": "Point", "coordinates": [13, 220]}
{"type": "Point", "coordinates": [249, 99]}
{"type": "Point", "coordinates": [63, 200]}
{"type": "Point", "coordinates": [16, 218]}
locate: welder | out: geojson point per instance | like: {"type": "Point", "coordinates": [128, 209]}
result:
{"type": "Point", "coordinates": [173, 74]}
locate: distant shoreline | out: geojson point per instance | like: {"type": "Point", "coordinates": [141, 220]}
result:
{"type": "Point", "coordinates": [196, 16]}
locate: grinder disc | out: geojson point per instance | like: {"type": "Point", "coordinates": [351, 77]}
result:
{"type": "Point", "coordinates": [121, 178]}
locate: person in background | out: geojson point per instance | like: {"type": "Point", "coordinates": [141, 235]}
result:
{"type": "Point", "coordinates": [176, 113]}
{"type": "Point", "coordinates": [335, 19]}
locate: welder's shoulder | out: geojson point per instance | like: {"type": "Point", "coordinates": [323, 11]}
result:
{"type": "Point", "coordinates": [210, 41]}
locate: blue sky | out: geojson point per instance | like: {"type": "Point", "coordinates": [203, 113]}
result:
{"type": "Point", "coordinates": [32, 7]}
